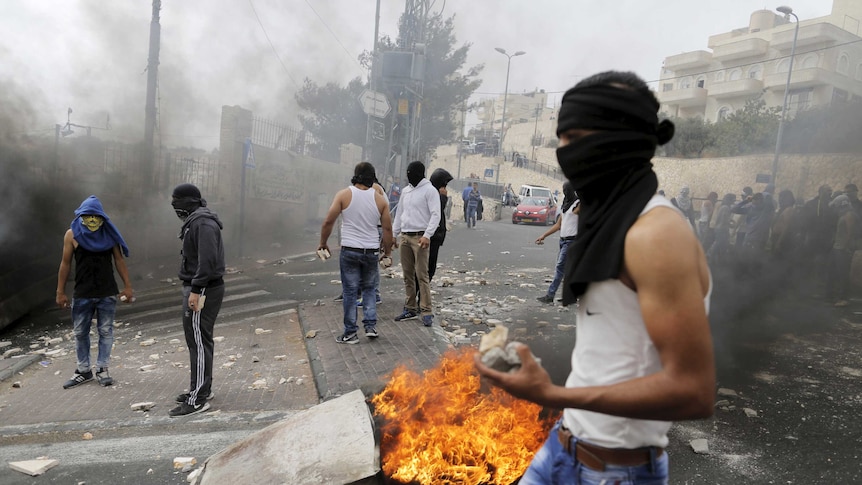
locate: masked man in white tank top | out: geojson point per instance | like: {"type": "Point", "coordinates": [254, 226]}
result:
{"type": "Point", "coordinates": [362, 209]}
{"type": "Point", "coordinates": [643, 354]}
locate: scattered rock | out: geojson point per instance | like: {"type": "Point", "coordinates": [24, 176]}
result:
{"type": "Point", "coordinates": [751, 413]}
{"type": "Point", "coordinates": [175, 341]}
{"type": "Point", "coordinates": [255, 358]}
{"type": "Point", "coordinates": [16, 384]}
{"type": "Point", "coordinates": [259, 384]}
{"type": "Point", "coordinates": [181, 461]}
{"type": "Point", "coordinates": [148, 367]}
{"type": "Point", "coordinates": [220, 338]}
{"type": "Point", "coordinates": [722, 403]}
{"type": "Point", "coordinates": [311, 334]}
{"type": "Point", "coordinates": [723, 391]}
{"type": "Point", "coordinates": [10, 352]}
{"type": "Point", "coordinates": [154, 356]}
{"type": "Point", "coordinates": [260, 331]}
{"type": "Point", "coordinates": [143, 406]}
{"type": "Point", "coordinates": [148, 342]}
{"type": "Point", "coordinates": [280, 357]}
{"type": "Point", "coordinates": [87, 436]}
{"type": "Point", "coordinates": [194, 475]}
{"type": "Point", "coordinates": [700, 446]}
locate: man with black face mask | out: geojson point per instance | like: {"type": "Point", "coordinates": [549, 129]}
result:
{"type": "Point", "coordinates": [416, 220]}
{"type": "Point", "coordinates": [201, 271]}
{"type": "Point", "coordinates": [643, 355]}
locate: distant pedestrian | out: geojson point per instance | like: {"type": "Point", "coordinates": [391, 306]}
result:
{"type": "Point", "coordinates": [473, 200]}
{"type": "Point", "coordinates": [683, 203]}
{"type": "Point", "coordinates": [362, 209]}
{"type": "Point", "coordinates": [394, 193]}
{"type": "Point", "coordinates": [416, 220]}
{"type": "Point", "coordinates": [568, 227]}
{"type": "Point", "coordinates": [465, 195]}
{"type": "Point", "coordinates": [838, 281]}
{"type": "Point", "coordinates": [703, 229]}
{"type": "Point", "coordinates": [96, 245]}
{"type": "Point", "coordinates": [201, 271]}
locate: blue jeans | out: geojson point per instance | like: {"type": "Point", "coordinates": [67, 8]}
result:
{"type": "Point", "coordinates": [553, 465]}
{"type": "Point", "coordinates": [83, 311]}
{"type": "Point", "coordinates": [471, 214]}
{"type": "Point", "coordinates": [359, 276]}
{"type": "Point", "coordinates": [560, 268]}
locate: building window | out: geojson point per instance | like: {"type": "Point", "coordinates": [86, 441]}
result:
{"type": "Point", "coordinates": [736, 74]}
{"type": "Point", "coordinates": [723, 113]}
{"type": "Point", "coordinates": [843, 64]}
{"type": "Point", "coordinates": [839, 96]}
{"type": "Point", "coordinates": [685, 83]}
{"type": "Point", "coordinates": [701, 81]}
{"type": "Point", "coordinates": [799, 100]}
{"type": "Point", "coordinates": [756, 72]}
{"type": "Point", "coordinates": [667, 87]}
{"type": "Point", "coordinates": [783, 65]}
{"type": "Point", "coordinates": [809, 62]}
{"type": "Point", "coordinates": [719, 76]}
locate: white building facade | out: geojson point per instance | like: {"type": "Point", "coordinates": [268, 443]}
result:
{"type": "Point", "coordinates": [746, 62]}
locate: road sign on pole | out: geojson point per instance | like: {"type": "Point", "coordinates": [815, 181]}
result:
{"type": "Point", "coordinates": [374, 103]}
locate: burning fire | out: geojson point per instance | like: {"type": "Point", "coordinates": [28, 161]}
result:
{"type": "Point", "coordinates": [440, 428]}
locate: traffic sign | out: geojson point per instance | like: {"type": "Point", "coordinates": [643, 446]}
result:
{"type": "Point", "coordinates": [374, 103]}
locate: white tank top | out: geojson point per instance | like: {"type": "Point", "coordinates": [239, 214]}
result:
{"type": "Point", "coordinates": [569, 224]}
{"type": "Point", "coordinates": [612, 346]}
{"type": "Point", "coordinates": [359, 220]}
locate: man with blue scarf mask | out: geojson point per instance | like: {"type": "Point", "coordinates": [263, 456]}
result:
{"type": "Point", "coordinates": [96, 245]}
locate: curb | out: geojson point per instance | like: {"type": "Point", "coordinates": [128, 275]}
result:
{"type": "Point", "coordinates": [19, 365]}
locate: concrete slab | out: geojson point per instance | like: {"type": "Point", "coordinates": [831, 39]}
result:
{"type": "Point", "coordinates": [33, 467]}
{"type": "Point", "coordinates": [331, 443]}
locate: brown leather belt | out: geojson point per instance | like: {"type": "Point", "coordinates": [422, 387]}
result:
{"type": "Point", "coordinates": [597, 457]}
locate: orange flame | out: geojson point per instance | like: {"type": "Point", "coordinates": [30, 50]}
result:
{"type": "Point", "coordinates": [439, 428]}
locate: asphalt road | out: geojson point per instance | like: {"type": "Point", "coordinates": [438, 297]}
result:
{"type": "Point", "coordinates": [792, 360]}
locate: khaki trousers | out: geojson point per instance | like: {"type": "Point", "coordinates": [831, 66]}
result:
{"type": "Point", "coordinates": [414, 262]}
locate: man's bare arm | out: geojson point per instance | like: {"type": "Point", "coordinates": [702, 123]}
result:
{"type": "Point", "coordinates": [331, 216]}
{"type": "Point", "coordinates": [385, 223]}
{"type": "Point", "coordinates": [65, 268]}
{"type": "Point", "coordinates": [123, 271]}
{"type": "Point", "coordinates": [666, 266]}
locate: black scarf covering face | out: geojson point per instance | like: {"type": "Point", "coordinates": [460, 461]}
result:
{"type": "Point", "coordinates": [612, 174]}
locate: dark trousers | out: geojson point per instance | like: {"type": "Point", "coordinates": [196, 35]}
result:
{"type": "Point", "coordinates": [198, 327]}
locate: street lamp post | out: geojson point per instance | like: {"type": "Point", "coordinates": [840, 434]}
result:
{"type": "Point", "coordinates": [506, 92]}
{"type": "Point", "coordinates": [787, 11]}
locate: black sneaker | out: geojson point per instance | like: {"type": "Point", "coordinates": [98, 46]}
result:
{"type": "Point", "coordinates": [185, 397]}
{"type": "Point", "coordinates": [78, 379]}
{"type": "Point", "coordinates": [428, 320]}
{"type": "Point", "coordinates": [186, 409]}
{"type": "Point", "coordinates": [103, 377]}
{"type": "Point", "coordinates": [339, 297]}
{"type": "Point", "coordinates": [406, 315]}
{"type": "Point", "coordinates": [371, 332]}
{"type": "Point", "coordinates": [348, 338]}
{"type": "Point", "coordinates": [546, 299]}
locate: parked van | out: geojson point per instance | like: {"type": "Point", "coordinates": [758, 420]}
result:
{"type": "Point", "coordinates": [535, 191]}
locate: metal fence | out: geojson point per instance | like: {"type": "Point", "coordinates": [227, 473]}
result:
{"type": "Point", "coordinates": [201, 171]}
{"type": "Point", "coordinates": [282, 137]}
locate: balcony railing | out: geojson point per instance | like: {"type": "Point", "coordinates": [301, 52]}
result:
{"type": "Point", "coordinates": [683, 97]}
{"type": "Point", "coordinates": [801, 78]}
{"type": "Point", "coordinates": [733, 89]}
{"type": "Point", "coordinates": [811, 35]}
{"type": "Point", "coordinates": [688, 60]}
{"type": "Point", "coordinates": [740, 49]}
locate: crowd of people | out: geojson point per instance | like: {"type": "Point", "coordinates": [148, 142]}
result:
{"type": "Point", "coordinates": [807, 241]}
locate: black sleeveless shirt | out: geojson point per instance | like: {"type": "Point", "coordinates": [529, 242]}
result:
{"type": "Point", "coordinates": [94, 274]}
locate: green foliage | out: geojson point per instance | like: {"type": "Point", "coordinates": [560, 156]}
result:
{"type": "Point", "coordinates": [826, 129]}
{"type": "Point", "coordinates": [334, 115]}
{"type": "Point", "coordinates": [752, 129]}
{"type": "Point", "coordinates": [691, 138]}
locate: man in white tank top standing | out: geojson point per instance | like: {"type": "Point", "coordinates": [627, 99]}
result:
{"type": "Point", "coordinates": [362, 209]}
{"type": "Point", "coordinates": [643, 355]}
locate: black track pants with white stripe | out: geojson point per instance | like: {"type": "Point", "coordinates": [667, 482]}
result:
{"type": "Point", "coordinates": [198, 327]}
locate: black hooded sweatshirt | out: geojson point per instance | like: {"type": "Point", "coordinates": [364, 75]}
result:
{"type": "Point", "coordinates": [202, 263]}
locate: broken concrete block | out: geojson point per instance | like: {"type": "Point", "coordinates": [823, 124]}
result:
{"type": "Point", "coordinates": [154, 356]}
{"type": "Point", "coordinates": [722, 391]}
{"type": "Point", "coordinates": [181, 461]}
{"type": "Point", "coordinates": [148, 342]}
{"type": "Point", "coordinates": [11, 351]}
{"type": "Point", "coordinates": [194, 475]}
{"type": "Point", "coordinates": [259, 384]}
{"type": "Point", "coordinates": [228, 365]}
{"type": "Point", "coordinates": [143, 406]}
{"type": "Point", "coordinates": [493, 322]}
{"type": "Point", "coordinates": [220, 338]}
{"type": "Point", "coordinates": [751, 413]}
{"type": "Point", "coordinates": [280, 357]}
{"type": "Point", "coordinates": [494, 338]}
{"type": "Point", "coordinates": [311, 334]}
{"type": "Point", "coordinates": [722, 403]}
{"type": "Point", "coordinates": [5, 344]}
{"type": "Point", "coordinates": [148, 367]}
{"type": "Point", "coordinates": [54, 341]}
{"type": "Point", "coordinates": [33, 467]}
{"type": "Point", "coordinates": [700, 446]}
{"type": "Point", "coordinates": [260, 331]}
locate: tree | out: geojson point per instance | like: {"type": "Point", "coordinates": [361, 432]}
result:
{"type": "Point", "coordinates": [691, 137]}
{"type": "Point", "coordinates": [334, 116]}
{"type": "Point", "coordinates": [752, 129]}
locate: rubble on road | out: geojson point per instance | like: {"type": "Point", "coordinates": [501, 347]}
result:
{"type": "Point", "coordinates": [33, 467]}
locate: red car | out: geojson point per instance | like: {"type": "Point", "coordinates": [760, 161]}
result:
{"type": "Point", "coordinates": [535, 210]}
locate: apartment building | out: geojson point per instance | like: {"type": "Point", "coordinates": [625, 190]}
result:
{"type": "Point", "coordinates": [519, 108]}
{"type": "Point", "coordinates": [748, 61]}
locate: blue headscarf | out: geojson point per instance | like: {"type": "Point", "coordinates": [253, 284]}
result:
{"type": "Point", "coordinates": [102, 240]}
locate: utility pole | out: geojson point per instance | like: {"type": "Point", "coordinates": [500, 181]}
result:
{"type": "Point", "coordinates": [368, 154]}
{"type": "Point", "coordinates": [535, 131]}
{"type": "Point", "coordinates": [152, 81]}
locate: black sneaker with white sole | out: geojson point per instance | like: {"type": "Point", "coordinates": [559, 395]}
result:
{"type": "Point", "coordinates": [406, 315]}
{"type": "Point", "coordinates": [339, 297]}
{"type": "Point", "coordinates": [103, 377]}
{"type": "Point", "coordinates": [78, 379]}
{"type": "Point", "coordinates": [371, 332]}
{"type": "Point", "coordinates": [186, 409]}
{"type": "Point", "coordinates": [348, 338]}
{"type": "Point", "coordinates": [185, 397]}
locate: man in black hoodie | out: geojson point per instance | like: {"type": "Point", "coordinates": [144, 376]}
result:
{"type": "Point", "coordinates": [201, 272]}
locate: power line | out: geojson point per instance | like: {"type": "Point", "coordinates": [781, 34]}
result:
{"type": "Point", "coordinates": [271, 45]}
{"type": "Point", "coordinates": [334, 36]}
